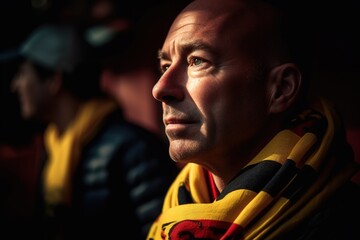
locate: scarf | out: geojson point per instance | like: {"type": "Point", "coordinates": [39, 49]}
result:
{"type": "Point", "coordinates": [64, 150]}
{"type": "Point", "coordinates": [291, 177]}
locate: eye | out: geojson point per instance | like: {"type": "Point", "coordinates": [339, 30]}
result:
{"type": "Point", "coordinates": [164, 68]}
{"type": "Point", "coordinates": [195, 61]}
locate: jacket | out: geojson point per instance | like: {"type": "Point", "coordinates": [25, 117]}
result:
{"type": "Point", "coordinates": [118, 185]}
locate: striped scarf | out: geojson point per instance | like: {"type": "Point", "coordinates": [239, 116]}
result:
{"type": "Point", "coordinates": [64, 150]}
{"type": "Point", "coordinates": [293, 175]}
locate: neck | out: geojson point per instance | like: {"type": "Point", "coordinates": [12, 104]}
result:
{"type": "Point", "coordinates": [234, 159]}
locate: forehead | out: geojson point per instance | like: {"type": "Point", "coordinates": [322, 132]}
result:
{"type": "Point", "coordinates": [225, 22]}
{"type": "Point", "coordinates": [26, 66]}
{"type": "Point", "coordinates": [27, 72]}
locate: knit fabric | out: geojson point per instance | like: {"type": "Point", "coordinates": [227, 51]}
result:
{"type": "Point", "coordinates": [294, 174]}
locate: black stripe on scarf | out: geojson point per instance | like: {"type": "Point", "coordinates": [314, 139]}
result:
{"type": "Point", "coordinates": [254, 177]}
{"type": "Point", "coordinates": [300, 184]}
{"type": "Point", "coordinates": [184, 197]}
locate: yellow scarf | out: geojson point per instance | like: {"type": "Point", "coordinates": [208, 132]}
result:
{"type": "Point", "coordinates": [64, 150]}
{"type": "Point", "coordinates": [286, 182]}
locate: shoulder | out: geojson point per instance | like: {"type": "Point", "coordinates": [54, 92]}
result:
{"type": "Point", "coordinates": [131, 143]}
{"type": "Point", "coordinates": [116, 124]}
{"type": "Point", "coordinates": [116, 131]}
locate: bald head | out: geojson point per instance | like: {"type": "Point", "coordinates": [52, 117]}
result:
{"type": "Point", "coordinates": [253, 24]}
{"type": "Point", "coordinates": [218, 55]}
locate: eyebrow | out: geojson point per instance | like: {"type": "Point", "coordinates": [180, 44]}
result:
{"type": "Point", "coordinates": [162, 55]}
{"type": "Point", "coordinates": [188, 48]}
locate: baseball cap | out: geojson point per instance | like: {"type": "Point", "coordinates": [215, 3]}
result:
{"type": "Point", "coordinates": [55, 46]}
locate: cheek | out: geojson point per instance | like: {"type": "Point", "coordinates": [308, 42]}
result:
{"type": "Point", "coordinates": [238, 111]}
{"type": "Point", "coordinates": [35, 92]}
{"type": "Point", "coordinates": [204, 95]}
{"type": "Point", "coordinates": [31, 90]}
{"type": "Point", "coordinates": [216, 105]}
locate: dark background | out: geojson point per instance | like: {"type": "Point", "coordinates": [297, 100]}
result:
{"type": "Point", "coordinates": [334, 33]}
{"type": "Point", "coordinates": [335, 38]}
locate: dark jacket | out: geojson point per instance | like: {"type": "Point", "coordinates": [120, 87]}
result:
{"type": "Point", "coordinates": [119, 185]}
{"type": "Point", "coordinates": [335, 220]}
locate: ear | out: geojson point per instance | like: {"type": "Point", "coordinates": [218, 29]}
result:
{"type": "Point", "coordinates": [285, 83]}
{"type": "Point", "coordinates": [55, 82]}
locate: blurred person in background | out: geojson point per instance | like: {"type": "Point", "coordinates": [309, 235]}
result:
{"type": "Point", "coordinates": [21, 148]}
{"type": "Point", "coordinates": [102, 175]}
{"type": "Point", "coordinates": [131, 68]}
{"type": "Point", "coordinates": [126, 36]}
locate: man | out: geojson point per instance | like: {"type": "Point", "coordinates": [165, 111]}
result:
{"type": "Point", "coordinates": [261, 161]}
{"type": "Point", "coordinates": [102, 175]}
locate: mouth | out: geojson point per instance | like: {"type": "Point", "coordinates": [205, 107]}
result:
{"type": "Point", "coordinates": [177, 121]}
{"type": "Point", "coordinates": [176, 126]}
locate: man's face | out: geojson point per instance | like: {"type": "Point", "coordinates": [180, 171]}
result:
{"type": "Point", "coordinates": [32, 92]}
{"type": "Point", "coordinates": [213, 91]}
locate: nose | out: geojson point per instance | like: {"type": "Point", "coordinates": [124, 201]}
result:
{"type": "Point", "coordinates": [170, 87]}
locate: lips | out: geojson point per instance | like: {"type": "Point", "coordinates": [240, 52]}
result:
{"type": "Point", "coordinates": [174, 120]}
{"type": "Point", "coordinates": [177, 119]}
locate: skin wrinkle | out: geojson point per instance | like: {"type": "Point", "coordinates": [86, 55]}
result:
{"type": "Point", "coordinates": [252, 150]}
{"type": "Point", "coordinates": [207, 141]}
